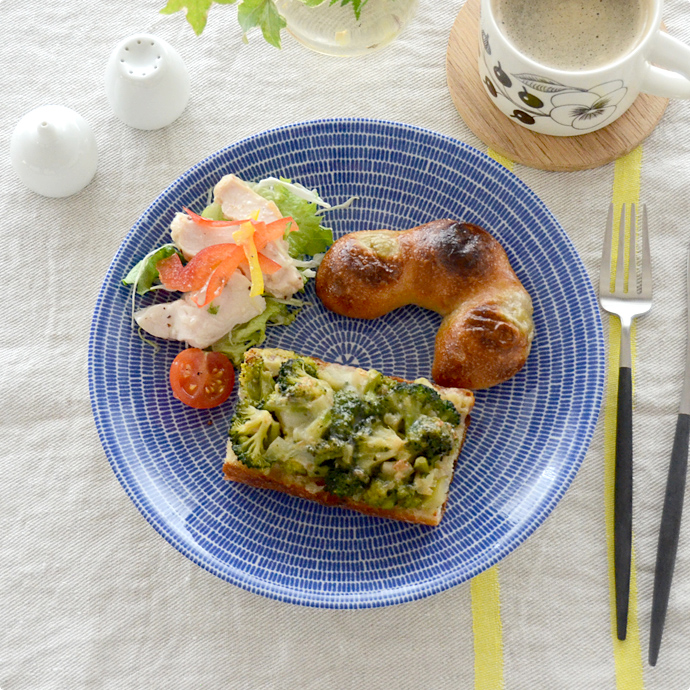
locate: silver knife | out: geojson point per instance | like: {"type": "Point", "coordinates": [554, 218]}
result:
{"type": "Point", "coordinates": [673, 506]}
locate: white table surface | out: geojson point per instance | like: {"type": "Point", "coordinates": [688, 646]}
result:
{"type": "Point", "coordinates": [90, 595]}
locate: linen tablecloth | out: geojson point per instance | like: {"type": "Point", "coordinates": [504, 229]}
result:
{"type": "Point", "coordinates": [92, 597]}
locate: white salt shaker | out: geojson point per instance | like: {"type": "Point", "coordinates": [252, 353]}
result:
{"type": "Point", "coordinates": [146, 82]}
{"type": "Point", "coordinates": [53, 151]}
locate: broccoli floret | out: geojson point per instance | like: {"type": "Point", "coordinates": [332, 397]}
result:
{"type": "Point", "coordinates": [421, 465]}
{"type": "Point", "coordinates": [255, 380]}
{"type": "Point", "coordinates": [327, 450]}
{"type": "Point", "coordinates": [300, 401]}
{"type": "Point", "coordinates": [294, 378]}
{"type": "Point", "coordinates": [293, 458]}
{"type": "Point", "coordinates": [251, 432]}
{"type": "Point", "coordinates": [429, 437]}
{"type": "Point", "coordinates": [342, 482]}
{"type": "Point", "coordinates": [375, 382]}
{"type": "Point", "coordinates": [355, 470]}
{"type": "Point", "coordinates": [314, 430]}
{"type": "Point", "coordinates": [414, 400]}
{"type": "Point", "coordinates": [297, 386]}
{"type": "Point", "coordinates": [353, 415]}
{"type": "Point", "coordinates": [407, 497]}
{"type": "Point", "coordinates": [380, 493]}
{"type": "Point", "coordinates": [377, 444]}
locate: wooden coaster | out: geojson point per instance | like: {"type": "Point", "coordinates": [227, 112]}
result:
{"type": "Point", "coordinates": [520, 144]}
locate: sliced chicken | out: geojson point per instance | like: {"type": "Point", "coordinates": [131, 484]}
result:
{"type": "Point", "coordinates": [239, 201]}
{"type": "Point", "coordinates": [191, 238]}
{"type": "Point", "coordinates": [286, 281]}
{"type": "Point", "coordinates": [202, 326]}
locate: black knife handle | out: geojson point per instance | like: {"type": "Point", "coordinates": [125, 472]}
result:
{"type": "Point", "coordinates": [622, 506]}
{"type": "Point", "coordinates": [668, 533]}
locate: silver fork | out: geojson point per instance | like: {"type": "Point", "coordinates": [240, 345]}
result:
{"type": "Point", "coordinates": [626, 302]}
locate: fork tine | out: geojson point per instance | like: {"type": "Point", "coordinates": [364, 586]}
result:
{"type": "Point", "coordinates": [632, 256]}
{"type": "Point", "coordinates": [620, 271]}
{"type": "Point", "coordinates": [605, 269]}
{"type": "Point", "coordinates": [646, 257]}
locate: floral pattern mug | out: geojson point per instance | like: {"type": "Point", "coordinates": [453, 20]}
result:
{"type": "Point", "coordinates": [559, 102]}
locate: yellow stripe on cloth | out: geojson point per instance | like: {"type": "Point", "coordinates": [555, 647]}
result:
{"type": "Point", "coordinates": [505, 162]}
{"type": "Point", "coordinates": [627, 653]}
{"type": "Point", "coordinates": [487, 626]}
{"type": "Point", "coordinates": [487, 630]}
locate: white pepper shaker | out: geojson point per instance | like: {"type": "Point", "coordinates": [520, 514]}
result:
{"type": "Point", "coordinates": [146, 82]}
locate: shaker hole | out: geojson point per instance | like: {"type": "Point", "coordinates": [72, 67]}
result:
{"type": "Point", "coordinates": [44, 124]}
{"type": "Point", "coordinates": [138, 43]}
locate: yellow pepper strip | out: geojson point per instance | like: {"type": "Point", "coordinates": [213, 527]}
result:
{"type": "Point", "coordinates": [244, 237]}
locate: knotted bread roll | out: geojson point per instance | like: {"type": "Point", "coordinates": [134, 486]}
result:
{"type": "Point", "coordinates": [455, 269]}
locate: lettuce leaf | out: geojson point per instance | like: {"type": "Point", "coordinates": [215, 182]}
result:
{"type": "Point", "coordinates": [145, 274]}
{"type": "Point", "coordinates": [312, 237]}
{"type": "Point", "coordinates": [253, 333]}
{"type": "Point", "coordinates": [213, 212]}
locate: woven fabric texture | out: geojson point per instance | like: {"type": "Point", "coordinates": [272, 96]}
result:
{"type": "Point", "coordinates": [92, 597]}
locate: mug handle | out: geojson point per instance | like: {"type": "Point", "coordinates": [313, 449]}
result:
{"type": "Point", "coordinates": [675, 55]}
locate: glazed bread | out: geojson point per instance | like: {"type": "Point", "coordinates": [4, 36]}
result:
{"type": "Point", "coordinates": [456, 269]}
{"type": "Point", "coordinates": [344, 436]}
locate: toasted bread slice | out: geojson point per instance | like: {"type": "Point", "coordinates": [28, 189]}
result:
{"type": "Point", "coordinates": [345, 436]}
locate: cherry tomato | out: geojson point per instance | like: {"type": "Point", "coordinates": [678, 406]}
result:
{"type": "Point", "coordinates": [201, 379]}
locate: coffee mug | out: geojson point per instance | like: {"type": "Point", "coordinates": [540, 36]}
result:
{"type": "Point", "coordinates": [565, 68]}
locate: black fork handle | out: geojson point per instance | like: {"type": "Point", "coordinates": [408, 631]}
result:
{"type": "Point", "coordinates": [622, 508]}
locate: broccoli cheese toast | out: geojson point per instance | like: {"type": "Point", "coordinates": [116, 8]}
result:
{"type": "Point", "coordinates": [345, 436]}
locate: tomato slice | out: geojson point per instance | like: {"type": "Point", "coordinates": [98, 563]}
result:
{"type": "Point", "coordinates": [219, 278]}
{"type": "Point", "coordinates": [268, 266]}
{"type": "Point", "coordinates": [209, 223]}
{"type": "Point", "coordinates": [201, 379]}
{"type": "Point", "coordinates": [273, 231]}
{"type": "Point", "coordinates": [214, 265]}
{"type": "Point", "coordinates": [193, 275]}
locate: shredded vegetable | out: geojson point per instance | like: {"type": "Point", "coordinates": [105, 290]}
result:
{"type": "Point", "coordinates": [300, 191]}
{"type": "Point", "coordinates": [244, 237]}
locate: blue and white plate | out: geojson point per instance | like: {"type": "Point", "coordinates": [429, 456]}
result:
{"type": "Point", "coordinates": [527, 438]}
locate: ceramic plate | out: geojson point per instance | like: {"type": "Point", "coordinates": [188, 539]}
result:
{"type": "Point", "coordinates": [527, 438]}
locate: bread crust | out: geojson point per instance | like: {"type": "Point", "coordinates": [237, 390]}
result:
{"type": "Point", "coordinates": [456, 269]}
{"type": "Point", "coordinates": [237, 472]}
